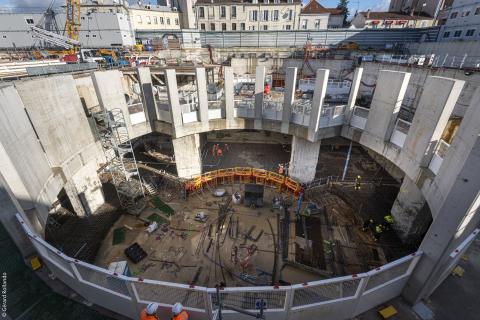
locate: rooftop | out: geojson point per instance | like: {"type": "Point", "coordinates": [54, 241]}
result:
{"type": "Point", "coordinates": [313, 7]}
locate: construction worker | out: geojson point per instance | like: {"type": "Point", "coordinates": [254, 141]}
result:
{"type": "Point", "coordinates": [378, 231]}
{"type": "Point", "coordinates": [281, 169]}
{"type": "Point", "coordinates": [266, 89]}
{"type": "Point", "coordinates": [388, 219]}
{"type": "Point", "coordinates": [150, 312]}
{"type": "Point", "coordinates": [357, 182]}
{"type": "Point", "coordinates": [227, 147]}
{"type": "Point", "coordinates": [368, 225]}
{"type": "Point", "coordinates": [219, 152]}
{"type": "Point", "coordinates": [179, 313]}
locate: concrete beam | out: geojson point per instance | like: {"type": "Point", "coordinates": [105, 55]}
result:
{"type": "Point", "coordinates": [148, 97]}
{"type": "Point", "coordinates": [172, 91]}
{"type": "Point", "coordinates": [288, 98]}
{"type": "Point", "coordinates": [304, 159]}
{"type": "Point", "coordinates": [229, 95]}
{"type": "Point", "coordinates": [386, 103]}
{"type": "Point", "coordinates": [352, 98]}
{"type": "Point", "coordinates": [459, 214]}
{"type": "Point", "coordinates": [434, 109]}
{"type": "Point", "coordinates": [201, 80]}
{"type": "Point", "coordinates": [187, 151]}
{"type": "Point", "coordinates": [259, 87]}
{"type": "Point", "coordinates": [317, 102]}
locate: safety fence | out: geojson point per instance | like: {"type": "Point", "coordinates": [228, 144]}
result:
{"type": "Point", "coordinates": [365, 38]}
{"type": "Point", "coordinates": [244, 175]}
{"type": "Point", "coordinates": [337, 298]}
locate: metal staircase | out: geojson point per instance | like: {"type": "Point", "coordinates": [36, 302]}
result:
{"type": "Point", "coordinates": [120, 159]}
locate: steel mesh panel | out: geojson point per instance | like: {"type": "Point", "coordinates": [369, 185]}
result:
{"type": "Point", "coordinates": [170, 295]}
{"type": "Point", "coordinates": [103, 279]}
{"type": "Point", "coordinates": [387, 275]}
{"type": "Point", "coordinates": [325, 292]}
{"type": "Point", "coordinates": [246, 300]}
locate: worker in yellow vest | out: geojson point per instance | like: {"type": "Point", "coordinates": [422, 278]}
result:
{"type": "Point", "coordinates": [378, 231]}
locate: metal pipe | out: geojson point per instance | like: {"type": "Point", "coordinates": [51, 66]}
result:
{"type": "Point", "coordinates": [347, 162]}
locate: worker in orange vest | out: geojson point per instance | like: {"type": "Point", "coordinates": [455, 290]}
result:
{"type": "Point", "coordinates": [219, 152]}
{"type": "Point", "coordinates": [266, 89]}
{"type": "Point", "coordinates": [150, 312]}
{"type": "Point", "coordinates": [179, 313]}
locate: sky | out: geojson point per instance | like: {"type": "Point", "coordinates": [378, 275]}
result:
{"type": "Point", "coordinates": [374, 5]}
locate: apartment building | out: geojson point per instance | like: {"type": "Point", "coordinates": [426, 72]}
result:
{"type": "Point", "coordinates": [462, 22]}
{"type": "Point", "coordinates": [238, 15]}
{"type": "Point", "coordinates": [314, 16]}
{"type": "Point", "coordinates": [154, 17]}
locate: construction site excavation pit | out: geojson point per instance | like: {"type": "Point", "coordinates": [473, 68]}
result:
{"type": "Point", "coordinates": [247, 232]}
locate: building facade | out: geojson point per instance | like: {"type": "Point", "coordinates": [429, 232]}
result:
{"type": "Point", "coordinates": [228, 15]}
{"type": "Point", "coordinates": [462, 21]}
{"type": "Point", "coordinates": [389, 20]}
{"type": "Point", "coordinates": [316, 17]}
{"type": "Point", "coordinates": [428, 7]}
{"type": "Point", "coordinates": [151, 17]}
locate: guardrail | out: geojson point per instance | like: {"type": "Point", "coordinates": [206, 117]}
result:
{"type": "Point", "coordinates": [441, 150]}
{"type": "Point", "coordinates": [400, 132]}
{"type": "Point", "coordinates": [337, 298]}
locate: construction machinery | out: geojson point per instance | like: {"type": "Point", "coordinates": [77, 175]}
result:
{"type": "Point", "coordinates": [47, 30]}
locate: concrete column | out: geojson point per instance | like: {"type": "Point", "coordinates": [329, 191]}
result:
{"type": "Point", "coordinates": [172, 91]}
{"type": "Point", "coordinates": [410, 213]}
{"type": "Point", "coordinates": [304, 159]}
{"type": "Point", "coordinates": [148, 97]}
{"type": "Point", "coordinates": [202, 95]}
{"type": "Point", "coordinates": [229, 94]}
{"type": "Point", "coordinates": [259, 87]}
{"type": "Point", "coordinates": [111, 95]}
{"type": "Point", "coordinates": [434, 109]}
{"type": "Point", "coordinates": [288, 98]}
{"type": "Point", "coordinates": [317, 102]}
{"type": "Point", "coordinates": [386, 103]}
{"type": "Point", "coordinates": [188, 155]}
{"type": "Point", "coordinates": [357, 80]}
{"type": "Point", "coordinates": [75, 201]}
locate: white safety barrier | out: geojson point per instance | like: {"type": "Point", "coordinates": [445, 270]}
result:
{"type": "Point", "coordinates": [337, 298]}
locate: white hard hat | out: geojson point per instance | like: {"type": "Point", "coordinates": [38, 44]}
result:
{"type": "Point", "coordinates": [177, 308]}
{"type": "Point", "coordinates": [152, 308]}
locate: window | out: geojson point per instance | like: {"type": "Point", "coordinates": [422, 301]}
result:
{"type": "Point", "coordinates": [276, 1]}
{"type": "Point", "coordinates": [202, 26]}
{"type": "Point", "coordinates": [234, 26]}
{"type": "Point", "coordinates": [465, 13]}
{"type": "Point", "coordinates": [155, 20]}
{"type": "Point", "coordinates": [477, 11]}
{"type": "Point", "coordinates": [223, 12]}
{"type": "Point", "coordinates": [212, 26]}
{"type": "Point", "coordinates": [470, 33]}
{"type": "Point", "coordinates": [234, 12]}
{"type": "Point", "coordinates": [94, 35]}
{"type": "Point", "coordinates": [168, 21]}
{"type": "Point", "coordinates": [290, 14]}
{"type": "Point", "coordinates": [304, 24]}
{"type": "Point", "coordinates": [446, 34]}
{"type": "Point", "coordinates": [161, 20]}
{"type": "Point", "coordinates": [224, 27]}
{"type": "Point", "coordinates": [275, 15]}
{"type": "Point", "coordinates": [289, 1]}
{"type": "Point", "coordinates": [149, 20]}
{"type": "Point", "coordinates": [4, 37]}
{"type": "Point", "coordinates": [457, 34]}
{"type": "Point", "coordinates": [139, 18]}
{"type": "Point", "coordinates": [265, 15]}
{"type": "Point", "coordinates": [176, 21]}
{"type": "Point", "coordinates": [317, 24]}
{"type": "Point", "coordinates": [29, 21]}
{"type": "Point", "coordinates": [254, 15]}
{"type": "Point", "coordinates": [87, 36]}
{"type": "Point", "coordinates": [453, 15]}
{"type": "Point", "coordinates": [201, 12]}
{"type": "Point", "coordinates": [288, 27]}
{"type": "Point", "coordinates": [265, 27]}
{"type": "Point", "coordinates": [265, 1]}
{"type": "Point", "coordinates": [242, 26]}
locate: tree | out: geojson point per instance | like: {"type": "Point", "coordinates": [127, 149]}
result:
{"type": "Point", "coordinates": [343, 5]}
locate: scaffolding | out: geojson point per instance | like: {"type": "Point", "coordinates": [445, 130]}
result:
{"type": "Point", "coordinates": [120, 159]}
